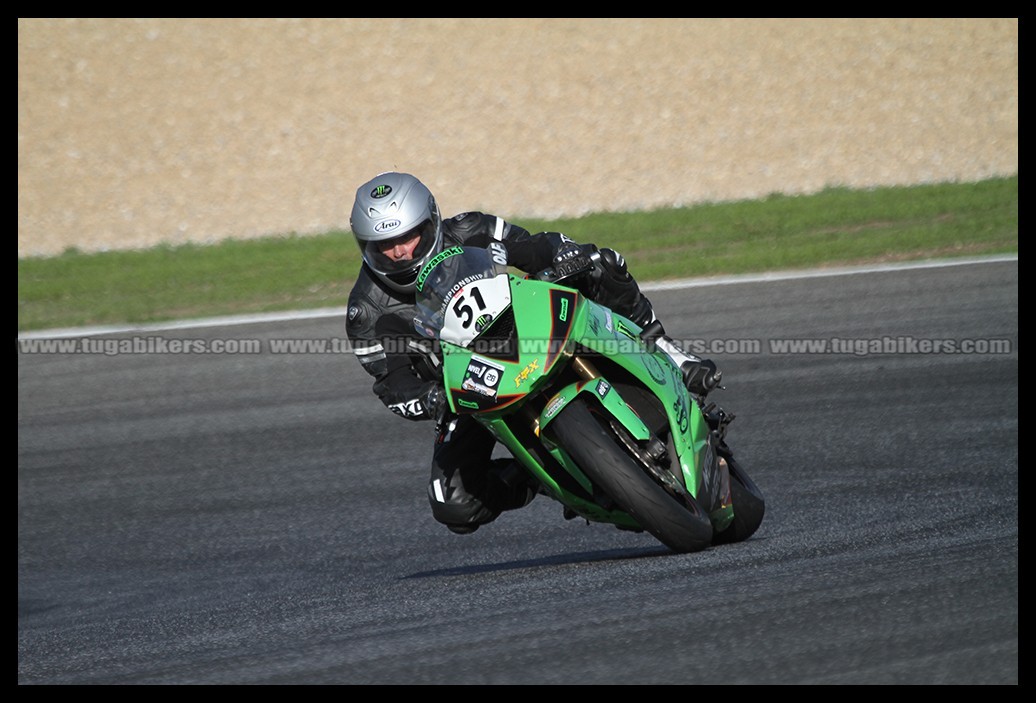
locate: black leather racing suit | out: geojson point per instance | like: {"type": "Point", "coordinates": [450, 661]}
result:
{"type": "Point", "coordinates": [467, 488]}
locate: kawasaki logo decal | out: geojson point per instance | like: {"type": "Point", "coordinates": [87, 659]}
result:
{"type": "Point", "coordinates": [439, 258]}
{"type": "Point", "coordinates": [561, 304]}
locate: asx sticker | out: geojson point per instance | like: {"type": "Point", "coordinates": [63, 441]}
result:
{"type": "Point", "coordinates": [410, 408]}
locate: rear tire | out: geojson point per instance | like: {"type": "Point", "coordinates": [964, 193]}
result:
{"type": "Point", "coordinates": [749, 505]}
{"type": "Point", "coordinates": [681, 526]}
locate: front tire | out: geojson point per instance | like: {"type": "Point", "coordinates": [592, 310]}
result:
{"type": "Point", "coordinates": [680, 525]}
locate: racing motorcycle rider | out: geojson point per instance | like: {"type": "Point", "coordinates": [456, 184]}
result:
{"type": "Point", "coordinates": [398, 227]}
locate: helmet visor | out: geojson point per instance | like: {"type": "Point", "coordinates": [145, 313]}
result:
{"type": "Point", "coordinates": [402, 252]}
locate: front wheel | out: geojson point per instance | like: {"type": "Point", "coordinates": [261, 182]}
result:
{"type": "Point", "coordinates": [680, 524]}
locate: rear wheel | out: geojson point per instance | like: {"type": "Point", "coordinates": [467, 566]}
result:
{"type": "Point", "coordinates": [749, 505]}
{"type": "Point", "coordinates": [677, 521]}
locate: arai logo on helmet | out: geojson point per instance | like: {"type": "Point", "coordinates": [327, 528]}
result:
{"type": "Point", "coordinates": [386, 226]}
{"type": "Point", "coordinates": [381, 191]}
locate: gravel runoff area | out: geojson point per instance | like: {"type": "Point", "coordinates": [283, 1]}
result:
{"type": "Point", "coordinates": [134, 132]}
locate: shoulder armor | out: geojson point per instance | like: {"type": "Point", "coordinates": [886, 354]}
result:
{"type": "Point", "coordinates": [369, 302]}
{"type": "Point", "coordinates": [474, 225]}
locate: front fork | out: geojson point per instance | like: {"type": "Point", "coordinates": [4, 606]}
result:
{"type": "Point", "coordinates": [584, 369]}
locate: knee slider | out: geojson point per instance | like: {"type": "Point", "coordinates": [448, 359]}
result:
{"type": "Point", "coordinates": [469, 513]}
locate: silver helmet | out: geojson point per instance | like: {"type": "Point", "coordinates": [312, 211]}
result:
{"type": "Point", "coordinates": [391, 207]}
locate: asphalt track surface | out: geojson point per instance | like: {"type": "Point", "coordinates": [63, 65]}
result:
{"type": "Point", "coordinates": [262, 519]}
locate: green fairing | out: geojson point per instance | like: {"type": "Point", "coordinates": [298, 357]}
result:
{"type": "Point", "coordinates": [551, 320]}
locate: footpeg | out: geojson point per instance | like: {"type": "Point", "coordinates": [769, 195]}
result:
{"type": "Point", "coordinates": [717, 419]}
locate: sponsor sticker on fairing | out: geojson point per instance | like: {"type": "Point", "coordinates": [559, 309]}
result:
{"type": "Point", "coordinates": [554, 406]}
{"type": "Point", "coordinates": [482, 376]}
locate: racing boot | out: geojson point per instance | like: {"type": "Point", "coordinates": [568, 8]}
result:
{"type": "Point", "coordinates": [505, 485]}
{"type": "Point", "coordinates": [699, 375]}
{"type": "Point", "coordinates": [509, 487]}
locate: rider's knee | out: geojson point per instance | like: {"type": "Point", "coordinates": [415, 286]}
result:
{"type": "Point", "coordinates": [458, 510]}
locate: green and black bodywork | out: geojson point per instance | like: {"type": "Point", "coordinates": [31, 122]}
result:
{"type": "Point", "coordinates": [591, 409]}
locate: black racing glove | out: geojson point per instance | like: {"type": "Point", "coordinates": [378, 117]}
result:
{"type": "Point", "coordinates": [612, 285]}
{"type": "Point", "coordinates": [434, 402]}
{"type": "Point", "coordinates": [573, 261]}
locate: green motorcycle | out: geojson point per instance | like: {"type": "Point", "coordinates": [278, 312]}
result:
{"type": "Point", "coordinates": [583, 400]}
